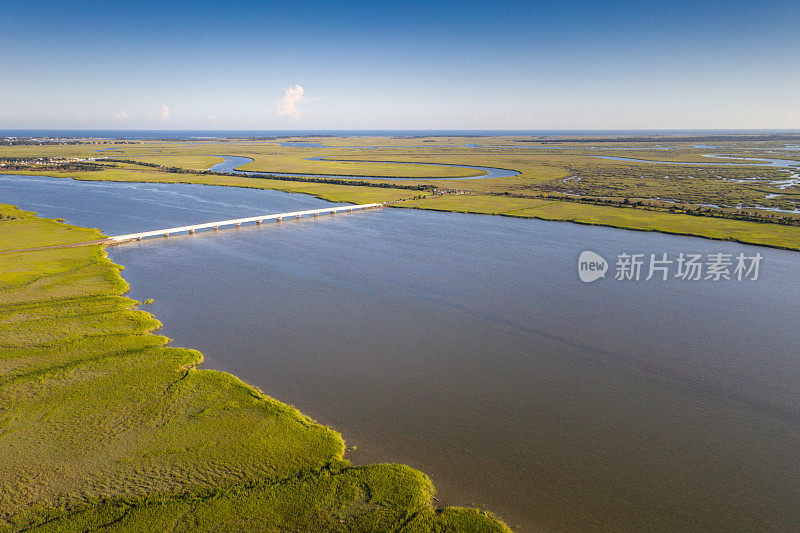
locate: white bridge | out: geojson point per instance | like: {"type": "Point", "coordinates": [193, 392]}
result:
{"type": "Point", "coordinates": [237, 222]}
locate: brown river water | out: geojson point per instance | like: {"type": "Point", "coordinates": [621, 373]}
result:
{"type": "Point", "coordinates": [466, 346]}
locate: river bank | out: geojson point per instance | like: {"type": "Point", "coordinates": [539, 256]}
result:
{"type": "Point", "coordinates": [713, 199]}
{"type": "Point", "coordinates": [494, 370]}
{"type": "Point", "coordinates": [632, 219]}
{"type": "Point", "coordinates": [163, 442]}
{"type": "Point", "coordinates": [747, 232]}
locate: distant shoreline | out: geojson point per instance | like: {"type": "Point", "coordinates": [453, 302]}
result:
{"type": "Point", "coordinates": [199, 135]}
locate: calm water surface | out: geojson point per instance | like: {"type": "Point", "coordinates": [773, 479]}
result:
{"type": "Point", "coordinates": [467, 347]}
{"type": "Point", "coordinates": [232, 162]}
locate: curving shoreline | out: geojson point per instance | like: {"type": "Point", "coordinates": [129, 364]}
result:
{"type": "Point", "coordinates": [163, 440]}
{"type": "Point", "coordinates": [629, 228]}
{"type": "Point", "coordinates": [231, 163]}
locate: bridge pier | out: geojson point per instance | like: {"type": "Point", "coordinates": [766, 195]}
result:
{"type": "Point", "coordinates": [259, 220]}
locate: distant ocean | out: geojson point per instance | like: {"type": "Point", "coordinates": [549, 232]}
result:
{"type": "Point", "coordinates": [217, 134]}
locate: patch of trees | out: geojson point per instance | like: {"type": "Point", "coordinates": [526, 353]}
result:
{"type": "Point", "coordinates": [174, 170]}
{"type": "Point", "coordinates": [653, 205]}
{"type": "Point", "coordinates": [334, 181]}
{"type": "Point", "coordinates": [66, 166]}
{"type": "Point", "coordinates": [308, 179]}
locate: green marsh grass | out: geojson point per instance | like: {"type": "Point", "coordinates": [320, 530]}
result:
{"type": "Point", "coordinates": [104, 426]}
{"type": "Point", "coordinates": [543, 172]}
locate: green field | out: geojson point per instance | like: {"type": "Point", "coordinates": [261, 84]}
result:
{"type": "Point", "coordinates": [667, 196]}
{"type": "Point", "coordinates": [327, 191]}
{"type": "Point", "coordinates": [103, 425]}
{"type": "Point", "coordinates": [773, 235]}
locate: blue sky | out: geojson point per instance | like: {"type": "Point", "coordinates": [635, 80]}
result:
{"type": "Point", "coordinates": [404, 65]}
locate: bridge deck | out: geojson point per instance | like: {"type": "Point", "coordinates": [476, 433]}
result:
{"type": "Point", "coordinates": [239, 221]}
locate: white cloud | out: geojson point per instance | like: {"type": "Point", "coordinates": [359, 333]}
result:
{"type": "Point", "coordinates": [292, 96]}
{"type": "Point", "coordinates": [164, 112]}
{"type": "Point", "coordinates": [121, 115]}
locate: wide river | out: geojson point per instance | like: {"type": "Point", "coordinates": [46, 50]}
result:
{"type": "Point", "coordinates": [467, 346]}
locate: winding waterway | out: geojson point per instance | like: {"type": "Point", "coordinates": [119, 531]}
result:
{"type": "Point", "coordinates": [749, 161]}
{"type": "Point", "coordinates": [467, 347]}
{"type": "Point", "coordinates": [791, 165]}
{"type": "Point", "coordinates": [231, 163]}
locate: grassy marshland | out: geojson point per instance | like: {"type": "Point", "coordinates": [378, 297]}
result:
{"type": "Point", "coordinates": [553, 184]}
{"type": "Point", "coordinates": [774, 235]}
{"type": "Point", "coordinates": [103, 425]}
